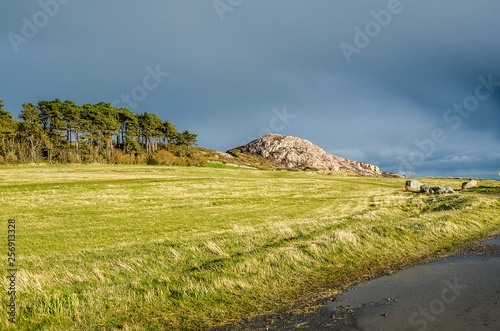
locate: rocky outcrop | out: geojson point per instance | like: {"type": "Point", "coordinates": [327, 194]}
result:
{"type": "Point", "coordinates": [296, 153]}
{"type": "Point", "coordinates": [471, 184]}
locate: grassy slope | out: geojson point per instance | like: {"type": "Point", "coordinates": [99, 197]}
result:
{"type": "Point", "coordinates": [216, 160]}
{"type": "Point", "coordinates": [151, 248]}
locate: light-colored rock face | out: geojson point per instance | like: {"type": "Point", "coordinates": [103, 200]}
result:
{"type": "Point", "coordinates": [471, 184]}
{"type": "Point", "coordinates": [414, 186]}
{"type": "Point", "coordinates": [293, 152]}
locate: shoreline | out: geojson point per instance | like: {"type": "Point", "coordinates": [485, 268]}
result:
{"type": "Point", "coordinates": [309, 313]}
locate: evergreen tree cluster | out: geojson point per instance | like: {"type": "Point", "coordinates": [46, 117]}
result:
{"type": "Point", "coordinates": [64, 132]}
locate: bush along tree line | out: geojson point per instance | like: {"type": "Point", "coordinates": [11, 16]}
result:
{"type": "Point", "coordinates": [64, 132]}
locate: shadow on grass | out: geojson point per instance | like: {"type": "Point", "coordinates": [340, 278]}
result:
{"type": "Point", "coordinates": [485, 189]}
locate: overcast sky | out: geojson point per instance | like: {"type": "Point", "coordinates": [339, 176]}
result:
{"type": "Point", "coordinates": [412, 86]}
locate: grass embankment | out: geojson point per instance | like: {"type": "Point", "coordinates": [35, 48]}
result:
{"type": "Point", "coordinates": [152, 248]}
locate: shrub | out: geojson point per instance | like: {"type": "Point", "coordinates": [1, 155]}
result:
{"type": "Point", "coordinates": [141, 159]}
{"type": "Point", "coordinates": [234, 152]}
{"type": "Point", "coordinates": [197, 160]}
{"type": "Point", "coordinates": [66, 157]}
{"type": "Point", "coordinates": [11, 158]}
{"type": "Point", "coordinates": [119, 158]}
{"type": "Point", "coordinates": [161, 158]}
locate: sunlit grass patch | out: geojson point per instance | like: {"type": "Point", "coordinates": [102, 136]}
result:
{"type": "Point", "coordinates": [151, 248]}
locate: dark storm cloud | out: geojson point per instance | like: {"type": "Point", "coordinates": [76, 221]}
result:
{"type": "Point", "coordinates": [229, 77]}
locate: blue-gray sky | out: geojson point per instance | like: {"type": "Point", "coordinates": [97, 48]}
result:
{"type": "Point", "coordinates": [412, 86]}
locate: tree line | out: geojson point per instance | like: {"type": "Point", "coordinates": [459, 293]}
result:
{"type": "Point", "coordinates": [64, 132]}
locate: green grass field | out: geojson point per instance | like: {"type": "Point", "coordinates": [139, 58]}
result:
{"type": "Point", "coordinates": [159, 248]}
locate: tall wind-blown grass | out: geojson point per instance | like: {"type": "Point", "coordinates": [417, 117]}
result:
{"type": "Point", "coordinates": [156, 248]}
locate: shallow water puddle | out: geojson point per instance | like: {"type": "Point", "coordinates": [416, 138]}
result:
{"type": "Point", "coordinates": [457, 293]}
{"type": "Point", "coordinates": [492, 241]}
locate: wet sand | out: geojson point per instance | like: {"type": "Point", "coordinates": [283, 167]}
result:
{"type": "Point", "coordinates": [492, 241]}
{"type": "Point", "coordinates": [457, 292]}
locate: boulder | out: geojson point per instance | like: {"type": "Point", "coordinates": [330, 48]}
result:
{"type": "Point", "coordinates": [425, 189]}
{"type": "Point", "coordinates": [450, 190]}
{"type": "Point", "coordinates": [471, 184]}
{"type": "Point", "coordinates": [413, 186]}
{"type": "Point", "coordinates": [442, 190]}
